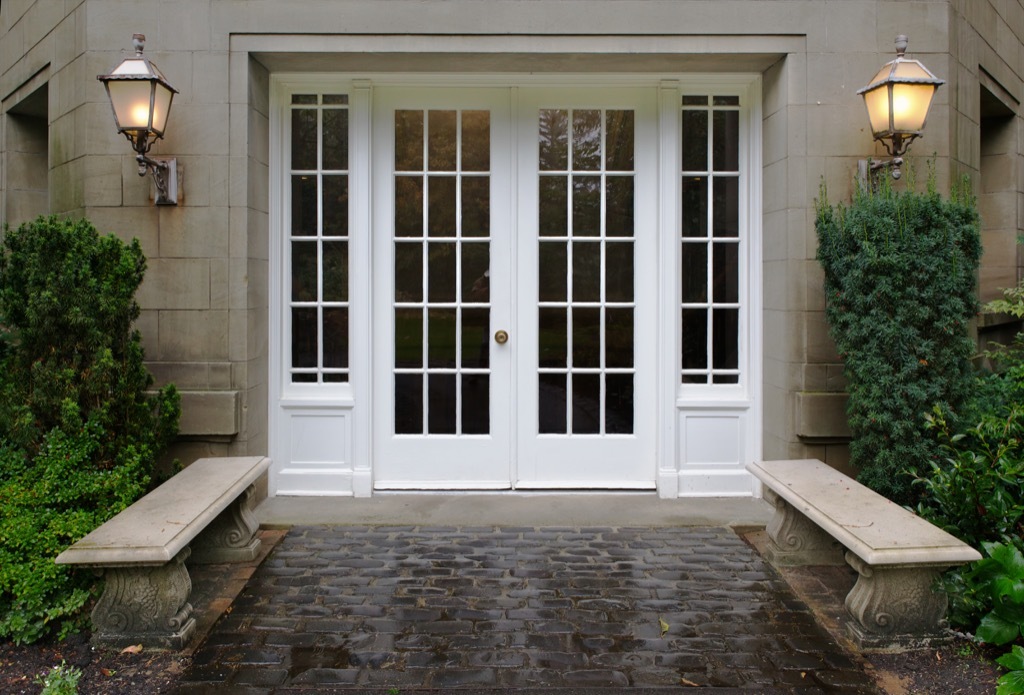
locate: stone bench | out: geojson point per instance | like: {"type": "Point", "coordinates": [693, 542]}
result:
{"type": "Point", "coordinates": [819, 513]}
{"type": "Point", "coordinates": [204, 511]}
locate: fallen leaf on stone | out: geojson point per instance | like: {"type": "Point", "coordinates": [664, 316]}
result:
{"type": "Point", "coordinates": [134, 649]}
{"type": "Point", "coordinates": [683, 681]}
{"type": "Point", "coordinates": [664, 626]}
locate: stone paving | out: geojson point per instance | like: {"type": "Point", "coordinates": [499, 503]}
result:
{"type": "Point", "coordinates": [488, 609]}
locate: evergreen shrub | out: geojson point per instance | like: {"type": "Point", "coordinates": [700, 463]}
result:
{"type": "Point", "coordinates": [78, 433]}
{"type": "Point", "coordinates": [899, 286]}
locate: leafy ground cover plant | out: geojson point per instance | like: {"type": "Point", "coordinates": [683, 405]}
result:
{"type": "Point", "coordinates": [1012, 683]}
{"type": "Point", "coordinates": [899, 283]}
{"type": "Point", "coordinates": [60, 680]}
{"type": "Point", "coordinates": [79, 434]}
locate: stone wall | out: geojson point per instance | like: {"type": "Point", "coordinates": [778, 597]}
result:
{"type": "Point", "coordinates": [205, 299]}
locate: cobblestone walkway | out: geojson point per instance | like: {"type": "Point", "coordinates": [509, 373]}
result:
{"type": "Point", "coordinates": [401, 609]}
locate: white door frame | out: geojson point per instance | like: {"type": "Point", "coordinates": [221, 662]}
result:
{"type": "Point", "coordinates": [341, 465]}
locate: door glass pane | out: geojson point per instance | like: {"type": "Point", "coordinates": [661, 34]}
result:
{"type": "Point", "coordinates": [725, 143]}
{"type": "Point", "coordinates": [552, 324]}
{"type": "Point", "coordinates": [619, 140]}
{"type": "Point", "coordinates": [304, 205]}
{"type": "Point", "coordinates": [695, 206]}
{"type": "Point", "coordinates": [335, 337]}
{"type": "Point", "coordinates": [304, 139]}
{"type": "Point", "coordinates": [586, 272]}
{"type": "Point", "coordinates": [726, 202]}
{"type": "Point", "coordinates": [304, 271]}
{"type": "Point", "coordinates": [476, 279]}
{"type": "Point", "coordinates": [476, 338]}
{"type": "Point", "coordinates": [618, 272]}
{"type": "Point", "coordinates": [553, 271]}
{"type": "Point", "coordinates": [586, 403]}
{"type": "Point", "coordinates": [552, 395]}
{"type": "Point", "coordinates": [443, 144]}
{"type": "Point", "coordinates": [619, 338]}
{"type": "Point", "coordinates": [618, 205]}
{"type": "Point", "coordinates": [554, 199]}
{"type": "Point", "coordinates": [619, 403]}
{"type": "Point", "coordinates": [695, 140]}
{"type": "Point", "coordinates": [476, 404]}
{"type": "Point", "coordinates": [695, 273]}
{"type": "Point", "coordinates": [476, 140]}
{"type": "Point", "coordinates": [586, 205]}
{"type": "Point", "coordinates": [408, 140]}
{"type": "Point", "coordinates": [441, 404]}
{"type": "Point", "coordinates": [441, 215]}
{"type": "Point", "coordinates": [305, 330]}
{"type": "Point", "coordinates": [586, 338]}
{"type": "Point", "coordinates": [409, 206]}
{"type": "Point", "coordinates": [441, 272]}
{"type": "Point", "coordinates": [335, 205]}
{"type": "Point", "coordinates": [408, 404]}
{"type": "Point", "coordinates": [476, 206]}
{"type": "Point", "coordinates": [335, 139]}
{"type": "Point", "coordinates": [586, 281]}
{"type": "Point", "coordinates": [442, 334]}
{"type": "Point", "coordinates": [409, 272]}
{"type": "Point", "coordinates": [554, 139]}
{"type": "Point", "coordinates": [408, 338]}
{"type": "Point", "coordinates": [335, 271]}
{"type": "Point", "coordinates": [586, 140]}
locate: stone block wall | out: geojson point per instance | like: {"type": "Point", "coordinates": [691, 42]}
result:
{"type": "Point", "coordinates": [206, 298]}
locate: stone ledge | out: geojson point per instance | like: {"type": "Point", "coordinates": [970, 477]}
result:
{"type": "Point", "coordinates": [822, 415]}
{"type": "Point", "coordinates": [210, 413]}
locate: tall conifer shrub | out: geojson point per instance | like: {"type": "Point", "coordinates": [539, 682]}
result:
{"type": "Point", "coordinates": [899, 285]}
{"type": "Point", "coordinates": [78, 433]}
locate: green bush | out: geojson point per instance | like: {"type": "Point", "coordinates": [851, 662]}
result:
{"type": "Point", "coordinates": [976, 491]}
{"type": "Point", "coordinates": [78, 433]}
{"type": "Point", "coordinates": [899, 287]}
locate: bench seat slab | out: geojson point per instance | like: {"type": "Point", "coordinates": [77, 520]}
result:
{"type": "Point", "coordinates": [145, 605]}
{"type": "Point", "coordinates": [795, 540]}
{"type": "Point", "coordinates": [231, 537]}
{"type": "Point", "coordinates": [896, 607]}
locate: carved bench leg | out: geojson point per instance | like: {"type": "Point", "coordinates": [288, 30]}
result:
{"type": "Point", "coordinates": [231, 537]}
{"type": "Point", "coordinates": [793, 539]}
{"type": "Point", "coordinates": [145, 605]}
{"type": "Point", "coordinates": [895, 606]}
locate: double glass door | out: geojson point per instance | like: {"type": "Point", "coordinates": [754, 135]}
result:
{"type": "Point", "coordinates": [514, 245]}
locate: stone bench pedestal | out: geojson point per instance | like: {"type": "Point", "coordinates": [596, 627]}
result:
{"type": "Point", "coordinates": [203, 514]}
{"type": "Point", "coordinates": [823, 517]}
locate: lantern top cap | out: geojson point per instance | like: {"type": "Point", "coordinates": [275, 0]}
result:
{"type": "Point", "coordinates": [902, 70]}
{"type": "Point", "coordinates": [137, 67]}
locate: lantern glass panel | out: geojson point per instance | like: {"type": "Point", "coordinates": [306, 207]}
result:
{"type": "Point", "coordinates": [910, 104]}
{"type": "Point", "coordinates": [130, 99]}
{"type": "Point", "coordinates": [161, 107]}
{"type": "Point", "coordinates": [877, 101]}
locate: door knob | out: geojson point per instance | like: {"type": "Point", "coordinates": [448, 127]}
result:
{"type": "Point", "coordinates": [501, 337]}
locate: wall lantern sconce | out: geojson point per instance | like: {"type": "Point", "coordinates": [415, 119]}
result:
{"type": "Point", "coordinates": [141, 98]}
{"type": "Point", "coordinates": [898, 100]}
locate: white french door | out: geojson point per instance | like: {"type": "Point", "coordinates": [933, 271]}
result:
{"type": "Point", "coordinates": [514, 315]}
{"type": "Point", "coordinates": [586, 250]}
{"type": "Point", "coordinates": [442, 269]}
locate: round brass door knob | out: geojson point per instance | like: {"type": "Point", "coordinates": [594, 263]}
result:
{"type": "Point", "coordinates": [501, 337]}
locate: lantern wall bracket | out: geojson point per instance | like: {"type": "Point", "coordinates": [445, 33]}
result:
{"type": "Point", "coordinates": [165, 176]}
